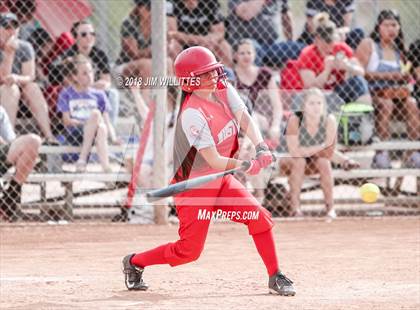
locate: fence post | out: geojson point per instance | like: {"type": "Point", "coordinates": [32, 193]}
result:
{"type": "Point", "coordinates": [159, 96]}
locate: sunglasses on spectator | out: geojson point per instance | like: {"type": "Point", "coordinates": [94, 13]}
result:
{"type": "Point", "coordinates": [84, 34]}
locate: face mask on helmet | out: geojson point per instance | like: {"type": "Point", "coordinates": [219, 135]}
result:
{"type": "Point", "coordinates": [212, 79]}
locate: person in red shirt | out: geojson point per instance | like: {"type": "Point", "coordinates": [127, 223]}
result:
{"type": "Point", "coordinates": [206, 141]}
{"type": "Point", "coordinates": [330, 65]}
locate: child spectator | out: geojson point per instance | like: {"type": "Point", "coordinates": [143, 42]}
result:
{"type": "Point", "coordinates": [85, 114]}
{"type": "Point", "coordinates": [85, 36]}
{"type": "Point", "coordinates": [20, 152]}
{"type": "Point", "coordinates": [383, 55]}
{"type": "Point", "coordinates": [43, 44]}
{"type": "Point", "coordinates": [257, 20]}
{"type": "Point", "coordinates": [201, 22]}
{"type": "Point", "coordinates": [341, 14]}
{"type": "Point", "coordinates": [311, 137]}
{"type": "Point", "coordinates": [331, 65]}
{"type": "Point", "coordinates": [17, 74]}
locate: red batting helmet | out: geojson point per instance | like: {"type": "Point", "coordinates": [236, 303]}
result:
{"type": "Point", "coordinates": [193, 62]}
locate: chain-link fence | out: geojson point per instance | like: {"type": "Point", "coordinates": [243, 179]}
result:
{"type": "Point", "coordinates": [333, 86]}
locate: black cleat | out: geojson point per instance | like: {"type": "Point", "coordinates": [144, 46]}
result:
{"type": "Point", "coordinates": [279, 284]}
{"type": "Point", "coordinates": [133, 275]}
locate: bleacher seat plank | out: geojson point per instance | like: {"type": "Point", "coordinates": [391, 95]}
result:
{"type": "Point", "coordinates": [384, 146]}
{"type": "Point", "coordinates": [62, 149]}
{"type": "Point", "coordinates": [363, 174]}
{"type": "Point", "coordinates": [78, 177]}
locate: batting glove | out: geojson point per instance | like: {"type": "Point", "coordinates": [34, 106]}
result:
{"type": "Point", "coordinates": [251, 167]}
{"type": "Point", "coordinates": [264, 155]}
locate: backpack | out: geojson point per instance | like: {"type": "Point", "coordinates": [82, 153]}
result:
{"type": "Point", "coordinates": [356, 125]}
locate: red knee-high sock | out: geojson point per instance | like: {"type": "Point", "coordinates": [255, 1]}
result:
{"type": "Point", "coordinates": [155, 256]}
{"type": "Point", "coordinates": [265, 246]}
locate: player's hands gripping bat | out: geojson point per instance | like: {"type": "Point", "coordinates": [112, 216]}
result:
{"type": "Point", "coordinates": [251, 167]}
{"type": "Point", "coordinates": [263, 159]}
{"type": "Point", "coordinates": [264, 155]}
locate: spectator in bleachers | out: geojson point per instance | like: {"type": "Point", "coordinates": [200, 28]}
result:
{"type": "Point", "coordinates": [414, 58]}
{"type": "Point", "coordinates": [84, 34]}
{"type": "Point", "coordinates": [24, 11]}
{"type": "Point", "coordinates": [85, 114]}
{"type": "Point", "coordinates": [47, 76]}
{"type": "Point", "coordinates": [341, 14]}
{"type": "Point", "coordinates": [383, 55]}
{"type": "Point", "coordinates": [201, 22]}
{"type": "Point", "coordinates": [257, 20]}
{"type": "Point", "coordinates": [20, 152]}
{"type": "Point", "coordinates": [42, 44]}
{"type": "Point", "coordinates": [135, 58]}
{"type": "Point", "coordinates": [17, 75]}
{"type": "Point", "coordinates": [258, 85]}
{"type": "Point", "coordinates": [311, 137]}
{"type": "Point", "coordinates": [258, 88]}
{"type": "Point", "coordinates": [331, 65]}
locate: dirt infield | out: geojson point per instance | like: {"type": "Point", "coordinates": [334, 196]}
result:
{"type": "Point", "coordinates": [346, 264]}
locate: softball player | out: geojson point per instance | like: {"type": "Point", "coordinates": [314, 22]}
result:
{"type": "Point", "coordinates": [206, 140]}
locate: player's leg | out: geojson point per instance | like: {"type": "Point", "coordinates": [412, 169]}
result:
{"type": "Point", "coordinates": [193, 228]}
{"type": "Point", "coordinates": [234, 197]}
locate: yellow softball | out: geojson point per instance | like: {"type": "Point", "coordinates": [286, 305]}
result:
{"type": "Point", "coordinates": [369, 192]}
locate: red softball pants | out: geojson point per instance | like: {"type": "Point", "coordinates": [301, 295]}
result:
{"type": "Point", "coordinates": [228, 195]}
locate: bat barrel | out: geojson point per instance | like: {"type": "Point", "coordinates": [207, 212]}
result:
{"type": "Point", "coordinates": [186, 185]}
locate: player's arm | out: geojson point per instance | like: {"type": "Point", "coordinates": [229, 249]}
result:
{"type": "Point", "coordinates": [245, 121]}
{"type": "Point", "coordinates": [277, 109]}
{"type": "Point", "coordinates": [216, 161]}
{"type": "Point", "coordinates": [248, 126]}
